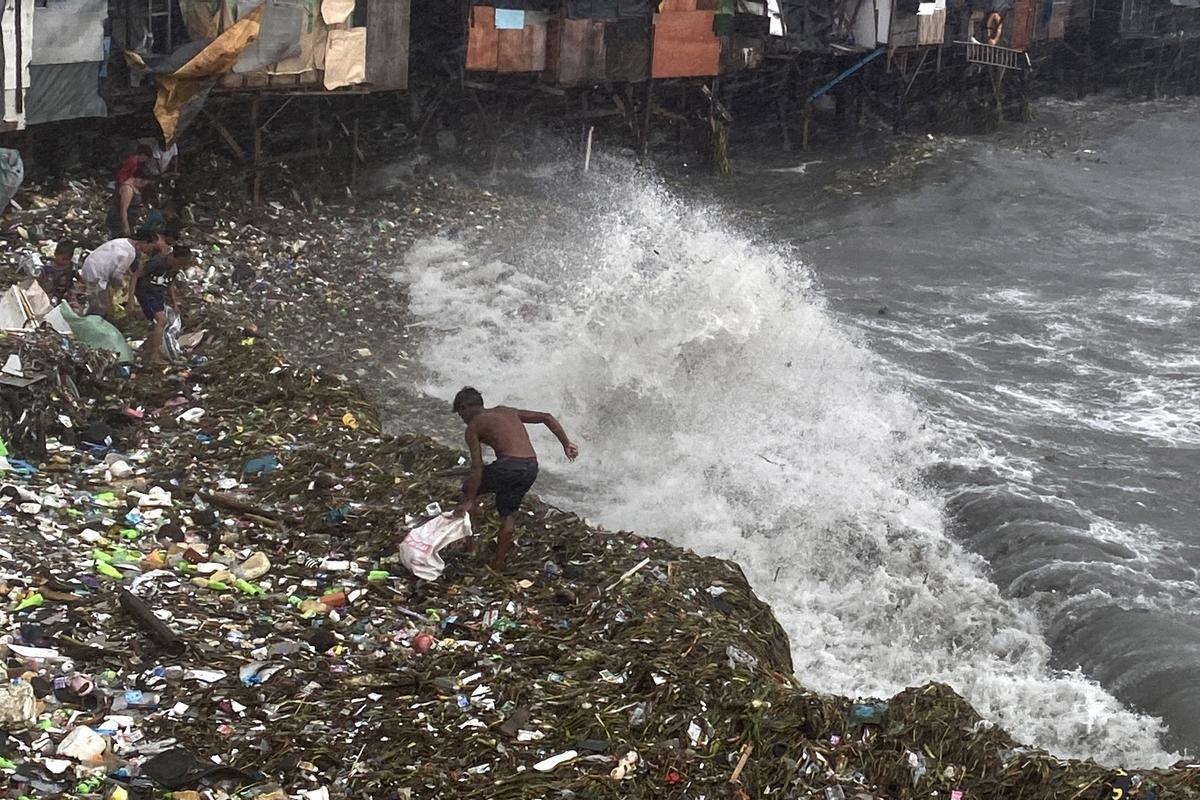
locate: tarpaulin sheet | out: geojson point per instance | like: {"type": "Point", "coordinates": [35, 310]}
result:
{"type": "Point", "coordinates": [336, 12]}
{"type": "Point", "coordinates": [205, 19]}
{"type": "Point", "coordinates": [182, 92]}
{"type": "Point", "coordinates": [69, 32]}
{"type": "Point", "coordinates": [314, 38]}
{"type": "Point", "coordinates": [12, 175]}
{"type": "Point", "coordinates": [283, 21]}
{"type": "Point", "coordinates": [346, 58]}
{"type": "Point", "coordinates": [63, 91]}
{"type": "Point", "coordinates": [98, 333]}
{"type": "Point", "coordinates": [510, 19]}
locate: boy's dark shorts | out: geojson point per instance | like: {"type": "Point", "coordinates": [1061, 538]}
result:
{"type": "Point", "coordinates": [510, 479]}
{"type": "Point", "coordinates": [151, 305]}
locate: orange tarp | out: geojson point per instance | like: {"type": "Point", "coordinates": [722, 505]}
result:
{"type": "Point", "coordinates": [185, 84]}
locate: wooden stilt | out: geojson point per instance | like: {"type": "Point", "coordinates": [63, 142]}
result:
{"type": "Point", "coordinates": [354, 149]}
{"type": "Point", "coordinates": [226, 136]}
{"type": "Point", "coordinates": [254, 107]}
{"type": "Point", "coordinates": [315, 133]}
{"type": "Point", "coordinates": [997, 74]}
{"type": "Point", "coordinates": [647, 117]}
{"type": "Point", "coordinates": [806, 118]}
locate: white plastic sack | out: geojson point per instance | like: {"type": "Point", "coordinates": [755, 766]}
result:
{"type": "Point", "coordinates": [84, 745]}
{"type": "Point", "coordinates": [18, 707]}
{"type": "Point", "coordinates": [170, 342]}
{"type": "Point", "coordinates": [420, 550]}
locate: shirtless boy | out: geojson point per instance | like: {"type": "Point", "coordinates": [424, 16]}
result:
{"type": "Point", "coordinates": [515, 469]}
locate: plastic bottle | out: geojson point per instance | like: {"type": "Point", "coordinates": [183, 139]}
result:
{"type": "Point", "coordinates": [31, 601]}
{"type": "Point", "coordinates": [246, 587]}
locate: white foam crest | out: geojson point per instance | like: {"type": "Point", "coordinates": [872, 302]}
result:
{"type": "Point", "coordinates": [1152, 407]}
{"type": "Point", "coordinates": [718, 404]}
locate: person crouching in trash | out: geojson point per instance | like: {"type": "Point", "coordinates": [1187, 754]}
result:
{"type": "Point", "coordinates": [515, 469]}
{"type": "Point", "coordinates": [151, 287]}
{"type": "Point", "coordinates": [106, 268]}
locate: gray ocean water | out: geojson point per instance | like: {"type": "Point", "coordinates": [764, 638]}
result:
{"type": "Point", "coordinates": [948, 425]}
{"type": "Point", "coordinates": [1041, 305]}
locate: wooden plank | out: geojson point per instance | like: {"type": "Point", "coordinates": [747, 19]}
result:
{"type": "Point", "coordinates": [483, 46]}
{"type": "Point", "coordinates": [904, 32]}
{"type": "Point", "coordinates": [388, 34]}
{"type": "Point", "coordinates": [931, 28]}
{"type": "Point", "coordinates": [575, 53]}
{"type": "Point", "coordinates": [522, 50]}
{"type": "Point", "coordinates": [1021, 19]}
{"type": "Point", "coordinates": [1057, 29]}
{"type": "Point", "coordinates": [224, 133]}
{"type": "Point", "coordinates": [685, 45]}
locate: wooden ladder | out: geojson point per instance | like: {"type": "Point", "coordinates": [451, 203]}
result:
{"type": "Point", "coordinates": [994, 56]}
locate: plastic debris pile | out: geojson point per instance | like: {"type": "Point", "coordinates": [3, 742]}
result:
{"type": "Point", "coordinates": [207, 601]}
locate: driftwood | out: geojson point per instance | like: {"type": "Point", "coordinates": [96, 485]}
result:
{"type": "Point", "coordinates": [162, 635]}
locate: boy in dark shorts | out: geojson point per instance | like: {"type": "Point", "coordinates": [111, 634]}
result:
{"type": "Point", "coordinates": [515, 469]}
{"type": "Point", "coordinates": [152, 286]}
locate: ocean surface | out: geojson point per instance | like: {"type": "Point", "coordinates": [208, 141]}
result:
{"type": "Point", "coordinates": [948, 425]}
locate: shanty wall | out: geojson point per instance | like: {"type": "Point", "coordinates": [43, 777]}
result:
{"type": "Point", "coordinates": [916, 27]}
{"type": "Point", "coordinates": [872, 23]}
{"type": "Point", "coordinates": [316, 44]}
{"type": "Point", "coordinates": [16, 46]}
{"type": "Point", "coordinates": [66, 61]}
{"type": "Point", "coordinates": [585, 42]}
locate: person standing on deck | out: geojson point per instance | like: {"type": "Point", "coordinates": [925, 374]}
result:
{"type": "Point", "coordinates": [515, 469]}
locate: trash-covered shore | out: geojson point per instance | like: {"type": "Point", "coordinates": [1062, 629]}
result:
{"type": "Point", "coordinates": [204, 597]}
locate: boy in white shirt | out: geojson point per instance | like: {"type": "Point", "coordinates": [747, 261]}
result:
{"type": "Point", "coordinates": [107, 267]}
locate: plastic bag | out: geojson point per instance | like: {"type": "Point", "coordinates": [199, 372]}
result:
{"type": "Point", "coordinates": [420, 550]}
{"type": "Point", "coordinates": [12, 175]}
{"type": "Point", "coordinates": [170, 342]}
{"type": "Point", "coordinates": [96, 332]}
{"type": "Point", "coordinates": [30, 264]}
{"type": "Point", "coordinates": [18, 707]}
{"type": "Point", "coordinates": [116, 303]}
